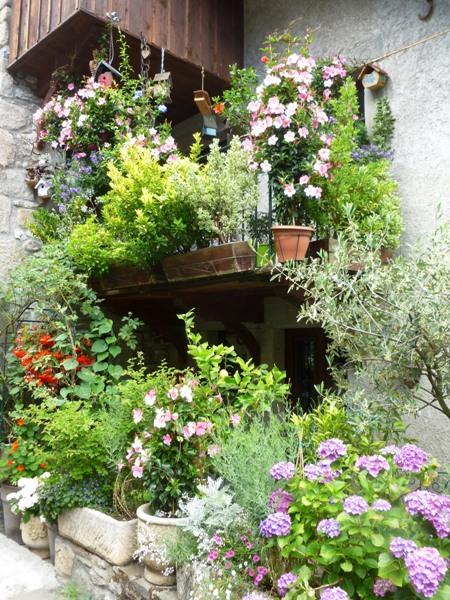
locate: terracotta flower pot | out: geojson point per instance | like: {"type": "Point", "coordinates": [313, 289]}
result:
{"type": "Point", "coordinates": [154, 533]}
{"type": "Point", "coordinates": [12, 521]}
{"type": "Point", "coordinates": [35, 536]}
{"type": "Point", "coordinates": [291, 241]}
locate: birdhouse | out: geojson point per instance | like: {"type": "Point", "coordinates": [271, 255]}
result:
{"type": "Point", "coordinates": [105, 74]}
{"type": "Point", "coordinates": [203, 102]}
{"type": "Point", "coordinates": [214, 127]}
{"type": "Point", "coordinates": [372, 77]}
{"type": "Point", "coordinates": [162, 86]}
{"type": "Point", "coordinates": [42, 188]}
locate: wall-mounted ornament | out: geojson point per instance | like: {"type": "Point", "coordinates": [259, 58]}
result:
{"type": "Point", "coordinates": [372, 77]}
{"type": "Point", "coordinates": [42, 188]}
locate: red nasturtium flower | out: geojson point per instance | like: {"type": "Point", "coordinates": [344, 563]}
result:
{"type": "Point", "coordinates": [219, 108]}
{"type": "Point", "coordinates": [14, 446]}
{"type": "Point", "coordinates": [46, 340]}
{"type": "Point", "coordinates": [43, 465]}
{"type": "Point", "coordinates": [20, 468]}
{"type": "Point", "coordinates": [84, 361]}
{"type": "Point", "coordinates": [10, 463]}
{"type": "Point", "coordinates": [264, 59]}
{"type": "Point", "coordinates": [20, 422]}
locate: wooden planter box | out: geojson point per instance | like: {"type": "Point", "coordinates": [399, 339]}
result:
{"type": "Point", "coordinates": [113, 540]}
{"type": "Point", "coordinates": [121, 277]}
{"type": "Point", "coordinates": [208, 262]}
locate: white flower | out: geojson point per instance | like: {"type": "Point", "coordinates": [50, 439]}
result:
{"type": "Point", "coordinates": [272, 140]}
{"type": "Point", "coordinates": [313, 191]}
{"type": "Point", "coordinates": [186, 393]}
{"type": "Point", "coordinates": [271, 80]}
{"type": "Point", "coordinates": [289, 136]}
{"type": "Point", "coordinates": [266, 167]}
{"type": "Point", "coordinates": [290, 109]}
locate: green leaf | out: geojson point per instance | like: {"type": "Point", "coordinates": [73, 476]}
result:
{"type": "Point", "coordinates": [70, 363]}
{"type": "Point", "coordinates": [347, 566]}
{"type": "Point", "coordinates": [105, 326]}
{"type": "Point", "coordinates": [99, 366]}
{"type": "Point", "coordinates": [115, 371]}
{"type": "Point", "coordinates": [99, 346]}
{"type": "Point", "coordinates": [115, 350]}
{"type": "Point", "coordinates": [377, 540]}
{"type": "Point", "coordinates": [83, 391]}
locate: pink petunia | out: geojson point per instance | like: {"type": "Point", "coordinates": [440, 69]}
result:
{"type": "Point", "coordinates": [167, 439]}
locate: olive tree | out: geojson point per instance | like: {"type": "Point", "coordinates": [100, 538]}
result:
{"type": "Point", "coordinates": [389, 322]}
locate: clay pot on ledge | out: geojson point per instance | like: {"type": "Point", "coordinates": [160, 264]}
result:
{"type": "Point", "coordinates": [154, 534]}
{"type": "Point", "coordinates": [35, 536]}
{"type": "Point", "coordinates": [291, 241]}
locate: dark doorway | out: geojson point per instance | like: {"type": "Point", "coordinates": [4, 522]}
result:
{"type": "Point", "coordinates": [306, 364]}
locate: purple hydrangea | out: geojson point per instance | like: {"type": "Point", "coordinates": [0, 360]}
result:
{"type": "Point", "coordinates": [426, 569]}
{"type": "Point", "coordinates": [333, 593]}
{"type": "Point", "coordinates": [280, 500]}
{"type": "Point", "coordinates": [355, 505]}
{"type": "Point", "coordinates": [410, 458]}
{"type": "Point", "coordinates": [254, 596]}
{"type": "Point", "coordinates": [435, 508]}
{"type": "Point", "coordinates": [382, 587]}
{"type": "Point", "coordinates": [321, 472]}
{"type": "Point", "coordinates": [285, 582]}
{"type": "Point", "coordinates": [283, 470]}
{"type": "Point", "coordinates": [390, 450]}
{"type": "Point", "coordinates": [381, 505]}
{"type": "Point", "coordinates": [373, 464]}
{"type": "Point", "coordinates": [276, 524]}
{"type": "Point", "coordinates": [332, 449]}
{"type": "Point", "coordinates": [329, 527]}
{"type": "Point", "coordinates": [400, 547]}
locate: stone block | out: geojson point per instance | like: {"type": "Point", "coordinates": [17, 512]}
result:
{"type": "Point", "coordinates": [9, 255]}
{"type": "Point", "coordinates": [113, 540]}
{"type": "Point", "coordinates": [7, 145]}
{"type": "Point", "coordinates": [64, 557]}
{"type": "Point", "coordinates": [164, 594]}
{"type": "Point", "coordinates": [14, 116]}
{"type": "Point", "coordinates": [5, 214]}
{"type": "Point", "coordinates": [4, 31]}
{"type": "Point", "coordinates": [26, 203]}
{"type": "Point", "coordinates": [7, 87]}
{"type": "Point", "coordinates": [14, 184]}
{"type": "Point", "coordinates": [32, 245]}
{"type": "Point", "coordinates": [23, 217]}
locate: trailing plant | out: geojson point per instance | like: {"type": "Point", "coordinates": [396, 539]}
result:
{"type": "Point", "coordinates": [73, 350]}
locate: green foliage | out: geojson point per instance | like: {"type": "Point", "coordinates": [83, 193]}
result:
{"type": "Point", "coordinates": [243, 83]}
{"type": "Point", "coordinates": [383, 124]}
{"type": "Point", "coordinates": [389, 322]}
{"type": "Point", "coordinates": [359, 193]}
{"type": "Point", "coordinates": [71, 591]}
{"type": "Point", "coordinates": [73, 352]}
{"type": "Point", "coordinates": [248, 386]}
{"type": "Point", "coordinates": [246, 456]}
{"type": "Point", "coordinates": [359, 553]}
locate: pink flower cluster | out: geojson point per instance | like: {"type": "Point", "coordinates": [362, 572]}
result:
{"type": "Point", "coordinates": [372, 464]}
{"type": "Point", "coordinates": [200, 428]}
{"type": "Point", "coordinates": [288, 111]}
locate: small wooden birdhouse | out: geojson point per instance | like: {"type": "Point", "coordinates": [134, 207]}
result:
{"type": "Point", "coordinates": [42, 188]}
{"type": "Point", "coordinates": [105, 74]}
{"type": "Point", "coordinates": [203, 102]}
{"type": "Point", "coordinates": [214, 127]}
{"type": "Point", "coordinates": [372, 77]}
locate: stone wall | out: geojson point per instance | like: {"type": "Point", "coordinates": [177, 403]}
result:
{"type": "Point", "coordinates": [418, 90]}
{"type": "Point", "coordinates": [17, 134]}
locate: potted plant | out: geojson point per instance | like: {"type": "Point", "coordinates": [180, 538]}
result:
{"type": "Point", "coordinates": [25, 502]}
{"type": "Point", "coordinates": [290, 135]}
{"type": "Point", "coordinates": [222, 195]}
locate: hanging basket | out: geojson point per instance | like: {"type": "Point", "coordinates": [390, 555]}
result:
{"type": "Point", "coordinates": [291, 241]}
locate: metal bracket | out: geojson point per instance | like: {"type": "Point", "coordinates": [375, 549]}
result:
{"type": "Point", "coordinates": [428, 14]}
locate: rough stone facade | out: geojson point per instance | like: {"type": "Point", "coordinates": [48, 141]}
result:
{"type": "Point", "coordinates": [17, 135]}
{"type": "Point", "coordinates": [102, 580]}
{"type": "Point", "coordinates": [418, 93]}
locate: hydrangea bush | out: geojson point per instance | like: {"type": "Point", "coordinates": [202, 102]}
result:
{"type": "Point", "coordinates": [355, 526]}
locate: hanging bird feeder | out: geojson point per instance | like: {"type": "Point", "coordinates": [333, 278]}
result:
{"type": "Point", "coordinates": [162, 82]}
{"type": "Point", "coordinates": [372, 77]}
{"type": "Point", "coordinates": [105, 74]}
{"type": "Point", "coordinates": [202, 99]}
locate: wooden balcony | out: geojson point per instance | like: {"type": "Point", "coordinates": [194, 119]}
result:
{"type": "Point", "coordinates": [46, 34]}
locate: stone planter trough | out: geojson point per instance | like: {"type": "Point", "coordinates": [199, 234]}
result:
{"type": "Point", "coordinates": [12, 521]}
{"type": "Point", "coordinates": [112, 540]}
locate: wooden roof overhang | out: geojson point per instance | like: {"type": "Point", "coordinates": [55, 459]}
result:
{"type": "Point", "coordinates": [47, 34]}
{"type": "Point", "coordinates": [233, 300]}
